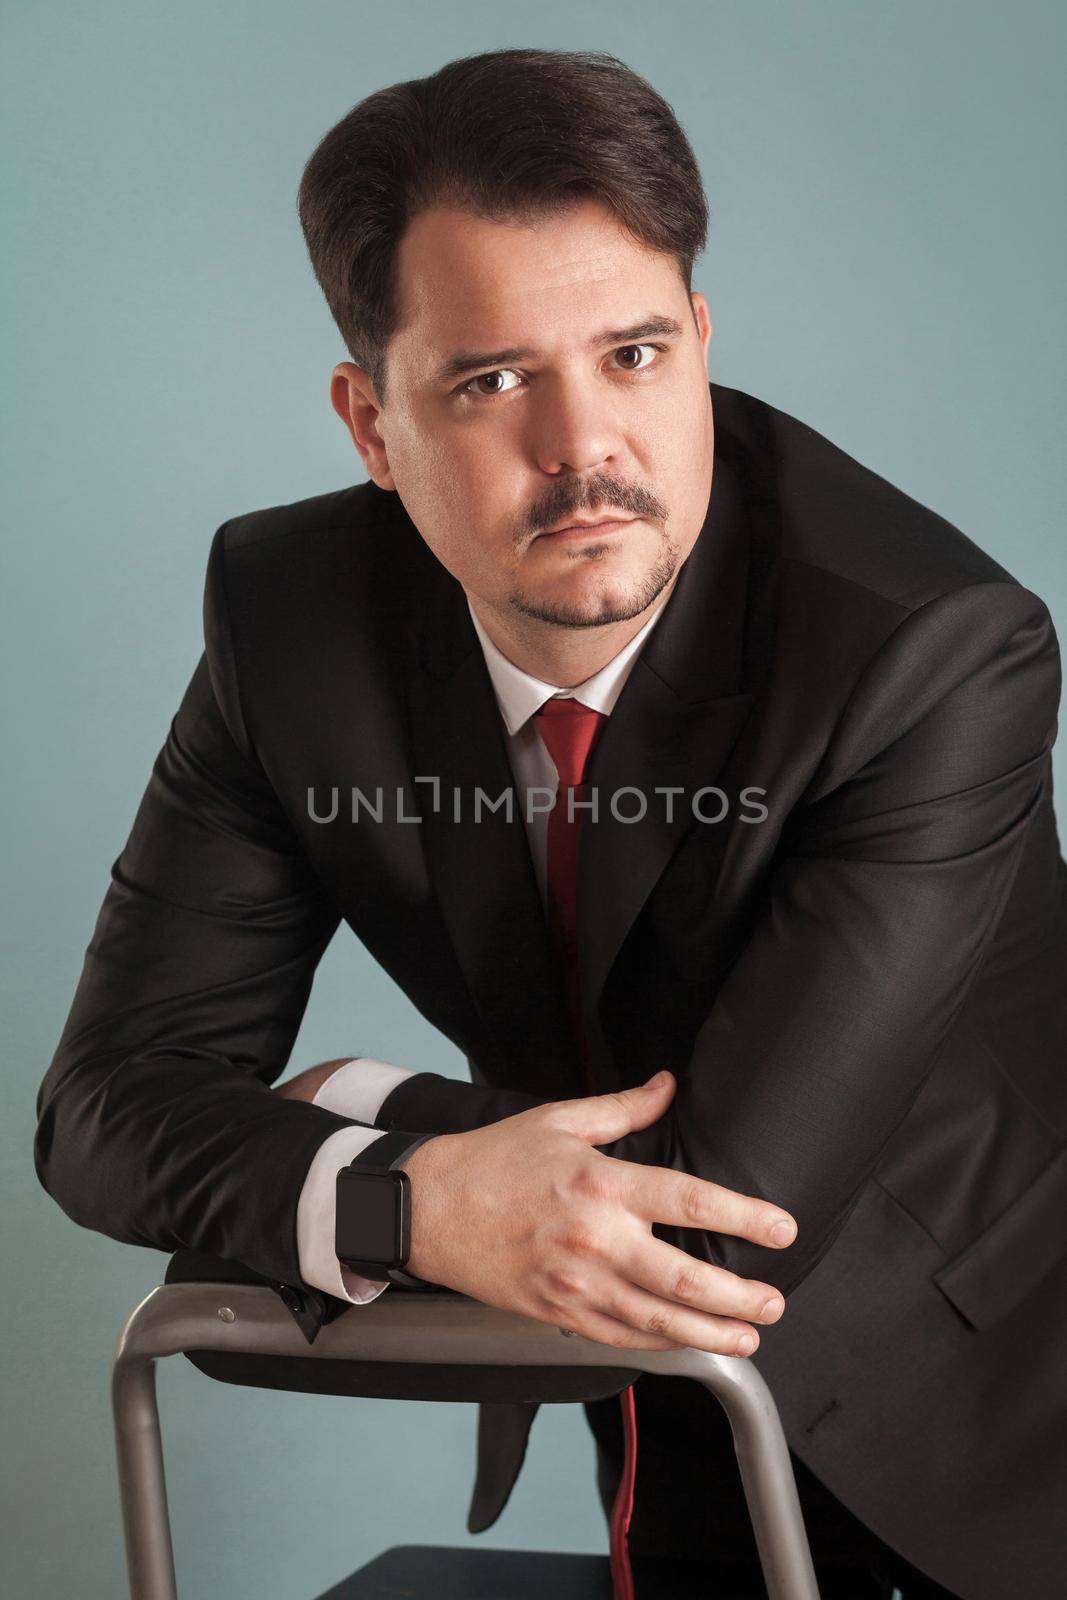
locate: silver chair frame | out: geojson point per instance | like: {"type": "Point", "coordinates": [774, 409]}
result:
{"type": "Point", "coordinates": [428, 1329]}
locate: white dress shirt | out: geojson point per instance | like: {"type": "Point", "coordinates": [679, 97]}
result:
{"type": "Point", "coordinates": [359, 1088]}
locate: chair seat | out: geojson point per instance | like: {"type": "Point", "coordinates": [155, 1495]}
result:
{"type": "Point", "coordinates": [435, 1572]}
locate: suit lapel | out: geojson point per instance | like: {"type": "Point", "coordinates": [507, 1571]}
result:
{"type": "Point", "coordinates": [482, 870]}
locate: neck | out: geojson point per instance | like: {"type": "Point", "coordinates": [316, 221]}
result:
{"type": "Point", "coordinates": [556, 654]}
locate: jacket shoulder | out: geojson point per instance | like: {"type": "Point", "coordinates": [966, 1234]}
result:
{"type": "Point", "coordinates": [360, 506]}
{"type": "Point", "coordinates": [840, 520]}
{"type": "Point", "coordinates": [292, 565]}
{"type": "Point", "coordinates": [285, 584]}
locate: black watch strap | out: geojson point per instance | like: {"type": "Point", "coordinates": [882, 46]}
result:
{"type": "Point", "coordinates": [389, 1151]}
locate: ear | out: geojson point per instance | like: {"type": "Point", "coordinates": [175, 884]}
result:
{"type": "Point", "coordinates": [702, 319]}
{"type": "Point", "coordinates": [353, 398]}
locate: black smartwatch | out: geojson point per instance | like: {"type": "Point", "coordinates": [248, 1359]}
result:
{"type": "Point", "coordinates": [373, 1229]}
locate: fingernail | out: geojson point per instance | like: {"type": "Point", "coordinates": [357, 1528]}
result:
{"type": "Point", "coordinates": [774, 1308]}
{"type": "Point", "coordinates": [783, 1233]}
{"type": "Point", "coordinates": [746, 1344]}
{"type": "Point", "coordinates": [657, 1081]}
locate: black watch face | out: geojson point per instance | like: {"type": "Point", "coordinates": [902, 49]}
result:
{"type": "Point", "coordinates": [369, 1217]}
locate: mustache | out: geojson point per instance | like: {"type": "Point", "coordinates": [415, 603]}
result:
{"type": "Point", "coordinates": [602, 493]}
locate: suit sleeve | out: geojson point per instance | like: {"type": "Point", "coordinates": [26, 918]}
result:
{"type": "Point", "coordinates": [156, 1120]}
{"type": "Point", "coordinates": [886, 889]}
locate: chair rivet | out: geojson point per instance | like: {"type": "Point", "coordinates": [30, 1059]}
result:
{"type": "Point", "coordinates": [226, 1315]}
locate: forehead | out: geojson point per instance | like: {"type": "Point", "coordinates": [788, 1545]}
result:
{"type": "Point", "coordinates": [462, 279]}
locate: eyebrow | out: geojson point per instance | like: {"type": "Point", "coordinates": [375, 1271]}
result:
{"type": "Point", "coordinates": [465, 361]}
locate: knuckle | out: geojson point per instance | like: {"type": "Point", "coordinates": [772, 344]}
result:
{"type": "Point", "coordinates": [556, 1308]}
{"type": "Point", "coordinates": [593, 1180]}
{"type": "Point", "coordinates": [582, 1242]}
{"type": "Point", "coordinates": [566, 1285]}
{"type": "Point", "coordinates": [627, 1338]}
{"type": "Point", "coordinates": [659, 1321]}
{"type": "Point", "coordinates": [694, 1204]}
{"type": "Point", "coordinates": [686, 1284]}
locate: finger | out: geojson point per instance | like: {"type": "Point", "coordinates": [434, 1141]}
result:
{"type": "Point", "coordinates": [600, 1118]}
{"type": "Point", "coordinates": [650, 1316]}
{"type": "Point", "coordinates": [677, 1278]}
{"type": "Point", "coordinates": [600, 1328]}
{"type": "Point", "coordinates": [678, 1198]}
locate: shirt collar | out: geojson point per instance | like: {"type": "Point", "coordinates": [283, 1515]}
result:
{"type": "Point", "coordinates": [519, 695]}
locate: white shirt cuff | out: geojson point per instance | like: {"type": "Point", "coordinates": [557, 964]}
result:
{"type": "Point", "coordinates": [359, 1088]}
{"type": "Point", "coordinates": [316, 1219]}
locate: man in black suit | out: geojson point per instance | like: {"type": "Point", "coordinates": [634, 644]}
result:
{"type": "Point", "coordinates": [836, 910]}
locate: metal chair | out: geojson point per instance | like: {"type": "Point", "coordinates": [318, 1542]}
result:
{"type": "Point", "coordinates": [214, 1321]}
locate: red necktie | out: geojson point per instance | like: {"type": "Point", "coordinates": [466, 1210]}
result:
{"type": "Point", "coordinates": [569, 731]}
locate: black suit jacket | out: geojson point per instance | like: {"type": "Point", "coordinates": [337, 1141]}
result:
{"type": "Point", "coordinates": [862, 996]}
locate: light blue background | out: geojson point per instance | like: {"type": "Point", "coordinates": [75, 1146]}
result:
{"type": "Point", "coordinates": [885, 261]}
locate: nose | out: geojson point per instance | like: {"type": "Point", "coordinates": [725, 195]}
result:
{"type": "Point", "coordinates": [573, 429]}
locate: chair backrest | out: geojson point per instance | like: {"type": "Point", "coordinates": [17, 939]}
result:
{"type": "Point", "coordinates": [385, 1380]}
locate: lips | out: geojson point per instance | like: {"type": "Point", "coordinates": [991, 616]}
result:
{"type": "Point", "coordinates": [579, 527]}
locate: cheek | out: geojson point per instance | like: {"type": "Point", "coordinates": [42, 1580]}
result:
{"type": "Point", "coordinates": [680, 444]}
{"type": "Point", "coordinates": [449, 467]}
{"type": "Point", "coordinates": [678, 415]}
{"type": "Point", "coordinates": [475, 482]}
{"type": "Point", "coordinates": [462, 489]}
{"type": "Point", "coordinates": [452, 503]}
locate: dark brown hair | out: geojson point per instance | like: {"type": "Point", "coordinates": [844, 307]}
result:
{"type": "Point", "coordinates": [508, 135]}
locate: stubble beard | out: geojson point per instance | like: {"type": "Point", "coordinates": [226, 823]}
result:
{"type": "Point", "coordinates": [596, 614]}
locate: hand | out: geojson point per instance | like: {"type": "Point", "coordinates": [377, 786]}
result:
{"type": "Point", "coordinates": [524, 1214]}
{"type": "Point", "coordinates": [306, 1085]}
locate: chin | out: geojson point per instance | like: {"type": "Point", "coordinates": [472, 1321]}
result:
{"type": "Point", "coordinates": [582, 608]}
{"type": "Point", "coordinates": [595, 591]}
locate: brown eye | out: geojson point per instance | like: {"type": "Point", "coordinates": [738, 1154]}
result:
{"type": "Point", "coordinates": [631, 357]}
{"type": "Point", "coordinates": [493, 381]}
